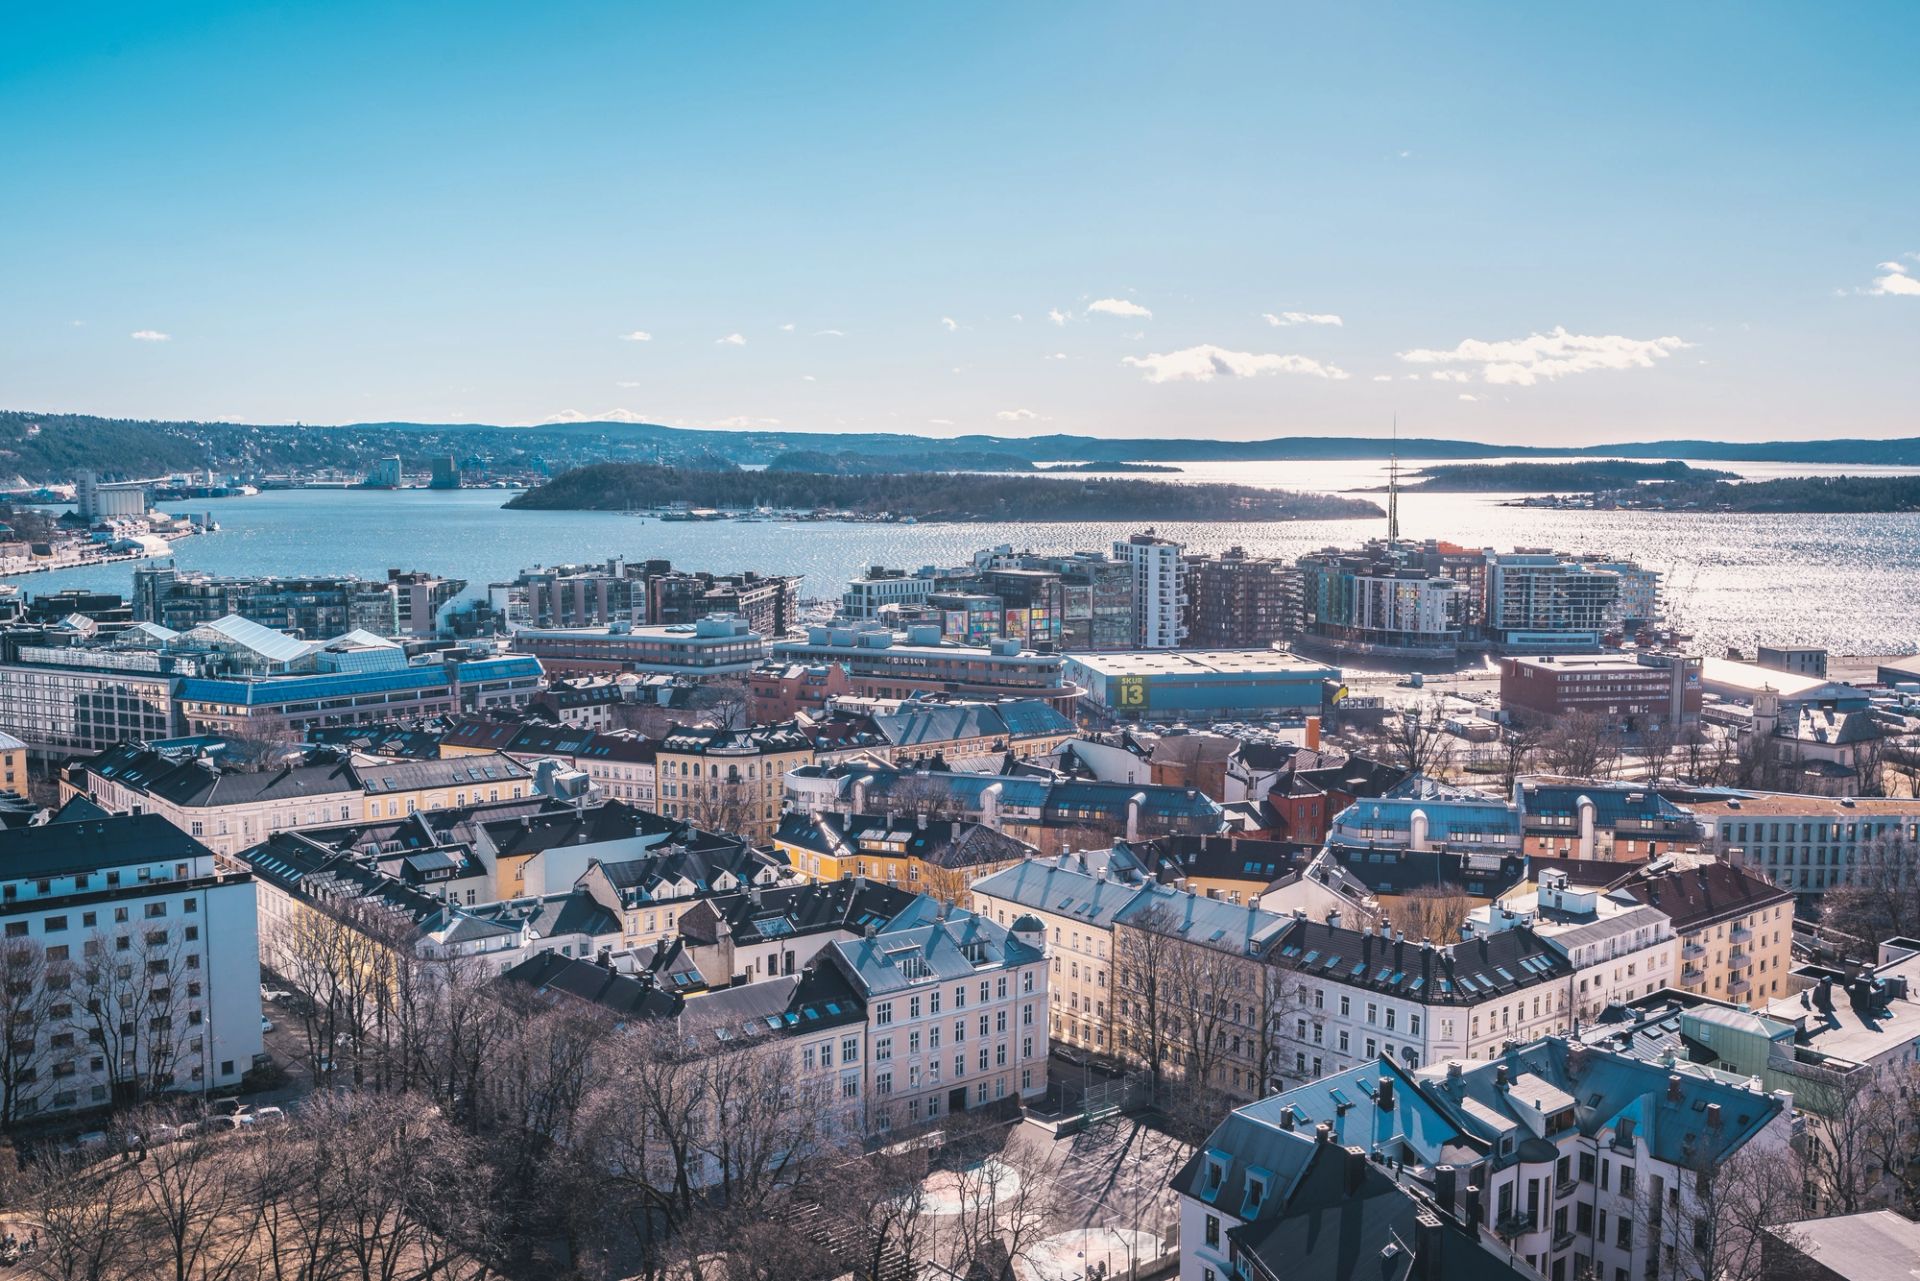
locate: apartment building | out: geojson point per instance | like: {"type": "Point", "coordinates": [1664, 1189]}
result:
{"type": "Point", "coordinates": [1075, 898]}
{"type": "Point", "coordinates": [1542, 602]}
{"type": "Point", "coordinates": [925, 855]}
{"type": "Point", "coordinates": [1807, 844]}
{"type": "Point", "coordinates": [956, 1015]}
{"type": "Point", "coordinates": [1159, 589]}
{"type": "Point", "coordinates": [230, 809]}
{"type": "Point", "coordinates": [1237, 601]}
{"type": "Point", "coordinates": [1620, 949]}
{"type": "Point", "coordinates": [717, 646]}
{"type": "Point", "coordinates": [147, 955]}
{"type": "Point", "coordinates": [1578, 1161]}
{"type": "Point", "coordinates": [729, 779]}
{"type": "Point", "coordinates": [920, 660]}
{"type": "Point", "coordinates": [1356, 995]}
{"type": "Point", "coordinates": [1736, 929]}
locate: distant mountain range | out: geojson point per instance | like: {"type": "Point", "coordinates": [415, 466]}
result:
{"type": "Point", "coordinates": [40, 448]}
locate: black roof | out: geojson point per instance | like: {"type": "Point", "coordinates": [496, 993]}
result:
{"type": "Point", "coordinates": [757, 915]}
{"type": "Point", "coordinates": [1348, 1217]}
{"type": "Point", "coordinates": [1464, 973]}
{"type": "Point", "coordinates": [554, 976]}
{"type": "Point", "coordinates": [1392, 869]}
{"type": "Point", "coordinates": [85, 845]}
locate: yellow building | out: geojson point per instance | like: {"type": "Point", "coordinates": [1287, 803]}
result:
{"type": "Point", "coordinates": [728, 780]}
{"type": "Point", "coordinates": [926, 856]}
{"type": "Point", "coordinates": [13, 765]}
{"type": "Point", "coordinates": [1735, 928]}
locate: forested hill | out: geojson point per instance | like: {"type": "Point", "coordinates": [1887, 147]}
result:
{"type": "Point", "coordinates": [955, 497]}
{"type": "Point", "coordinates": [1558, 478]}
{"type": "Point", "coordinates": [1810, 494]}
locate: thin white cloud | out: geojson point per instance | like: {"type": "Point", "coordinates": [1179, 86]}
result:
{"type": "Point", "coordinates": [731, 340]}
{"type": "Point", "coordinates": [950, 323]}
{"type": "Point", "coordinates": [1207, 362]}
{"type": "Point", "coordinates": [1467, 395]}
{"type": "Point", "coordinates": [787, 328]}
{"type": "Point", "coordinates": [940, 422]}
{"type": "Point", "coordinates": [628, 384]}
{"type": "Point", "coordinates": [638, 335]}
{"type": "Point", "coordinates": [741, 421]}
{"type": "Point", "coordinates": [1452, 376]}
{"type": "Point", "coordinates": [1018, 319]}
{"type": "Point", "coordinates": [806, 378]}
{"type": "Point", "coordinates": [150, 335]}
{"type": "Point", "coordinates": [1019, 416]}
{"type": "Point", "coordinates": [77, 324]}
{"type": "Point", "coordinates": [1118, 307]}
{"type": "Point", "coordinates": [1383, 378]}
{"type": "Point", "coordinates": [1896, 281]}
{"type": "Point", "coordinates": [1522, 362]}
{"type": "Point", "coordinates": [1057, 316]}
{"type": "Point", "coordinates": [829, 333]}
{"type": "Point", "coordinates": [1301, 318]}
{"type": "Point", "coordinates": [1058, 355]}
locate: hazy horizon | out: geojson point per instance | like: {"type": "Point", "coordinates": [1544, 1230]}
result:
{"type": "Point", "coordinates": [1589, 227]}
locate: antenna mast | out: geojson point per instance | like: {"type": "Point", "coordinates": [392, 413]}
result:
{"type": "Point", "coordinates": [1393, 485]}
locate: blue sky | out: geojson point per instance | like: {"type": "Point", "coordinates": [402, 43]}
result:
{"type": "Point", "coordinates": [1540, 224]}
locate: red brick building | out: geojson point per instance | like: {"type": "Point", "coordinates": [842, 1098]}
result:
{"type": "Point", "coordinates": [1635, 692]}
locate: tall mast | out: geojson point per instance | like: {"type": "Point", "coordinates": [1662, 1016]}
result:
{"type": "Point", "coordinates": [1393, 485]}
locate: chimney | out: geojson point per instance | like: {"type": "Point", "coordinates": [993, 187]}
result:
{"type": "Point", "coordinates": [1446, 1187]}
{"type": "Point", "coordinates": [1384, 1098]}
{"type": "Point", "coordinates": [1322, 1134]}
{"type": "Point", "coordinates": [1471, 1210]}
{"type": "Point", "coordinates": [1356, 1168]}
{"type": "Point", "coordinates": [1500, 1077]}
{"type": "Point", "coordinates": [1286, 1119]}
{"type": "Point", "coordinates": [1576, 1058]}
{"type": "Point", "coordinates": [1454, 1076]}
{"type": "Point", "coordinates": [1673, 1088]}
{"type": "Point", "coordinates": [1426, 1246]}
{"type": "Point", "coordinates": [1713, 1116]}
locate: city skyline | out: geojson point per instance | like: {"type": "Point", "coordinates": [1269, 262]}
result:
{"type": "Point", "coordinates": [1602, 228]}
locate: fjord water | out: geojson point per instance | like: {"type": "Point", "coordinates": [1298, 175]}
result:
{"type": "Point", "coordinates": [1846, 582]}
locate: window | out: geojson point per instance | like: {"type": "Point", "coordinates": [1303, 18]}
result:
{"type": "Point", "coordinates": [1213, 1232]}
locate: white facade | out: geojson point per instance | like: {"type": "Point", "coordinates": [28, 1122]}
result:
{"type": "Point", "coordinates": [1159, 590]}
{"type": "Point", "coordinates": [133, 893]}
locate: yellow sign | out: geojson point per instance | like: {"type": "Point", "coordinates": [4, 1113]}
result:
{"type": "Point", "coordinates": [1130, 691]}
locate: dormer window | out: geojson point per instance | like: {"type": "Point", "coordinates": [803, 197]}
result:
{"type": "Point", "coordinates": [1258, 1183]}
{"type": "Point", "coordinates": [1215, 1175]}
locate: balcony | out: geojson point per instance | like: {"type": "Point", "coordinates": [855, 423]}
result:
{"type": "Point", "coordinates": [1739, 957]}
{"type": "Point", "coordinates": [1564, 1188]}
{"type": "Point", "coordinates": [1738, 984]}
{"type": "Point", "coordinates": [1690, 974]}
{"type": "Point", "coordinates": [1740, 934]}
{"type": "Point", "coordinates": [1514, 1223]}
{"type": "Point", "coordinates": [1693, 951]}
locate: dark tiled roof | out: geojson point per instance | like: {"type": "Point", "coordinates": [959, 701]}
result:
{"type": "Point", "coordinates": [756, 916]}
{"type": "Point", "coordinates": [555, 977]}
{"type": "Point", "coordinates": [1693, 896]}
{"type": "Point", "coordinates": [1464, 973]}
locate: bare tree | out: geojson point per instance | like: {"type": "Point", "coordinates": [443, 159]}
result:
{"type": "Point", "coordinates": [192, 1197]}
{"type": "Point", "coordinates": [1880, 896]}
{"type": "Point", "coordinates": [1695, 751]}
{"type": "Point", "coordinates": [1869, 767]}
{"type": "Point", "coordinates": [1582, 745]}
{"type": "Point", "coordinates": [1712, 1225]}
{"type": "Point", "coordinates": [87, 1221]}
{"type": "Point", "coordinates": [1657, 744]}
{"type": "Point", "coordinates": [1518, 748]}
{"type": "Point", "coordinates": [25, 999]}
{"type": "Point", "coordinates": [135, 994]}
{"type": "Point", "coordinates": [1433, 912]}
{"type": "Point", "coordinates": [1417, 739]}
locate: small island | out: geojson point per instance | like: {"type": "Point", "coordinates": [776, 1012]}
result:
{"type": "Point", "coordinates": [846, 462]}
{"type": "Point", "coordinates": [1514, 478]}
{"type": "Point", "coordinates": [1842, 495]}
{"type": "Point", "coordinates": [1110, 468]}
{"type": "Point", "coordinates": [959, 497]}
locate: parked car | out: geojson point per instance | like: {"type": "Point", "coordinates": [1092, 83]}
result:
{"type": "Point", "coordinates": [266, 1024]}
{"type": "Point", "coordinates": [263, 1117]}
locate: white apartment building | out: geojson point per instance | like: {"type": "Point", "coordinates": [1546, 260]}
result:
{"type": "Point", "coordinates": [146, 961]}
{"type": "Point", "coordinates": [1354, 996]}
{"type": "Point", "coordinates": [1620, 948]}
{"type": "Point", "coordinates": [956, 1015]}
{"type": "Point", "coordinates": [1159, 589]}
